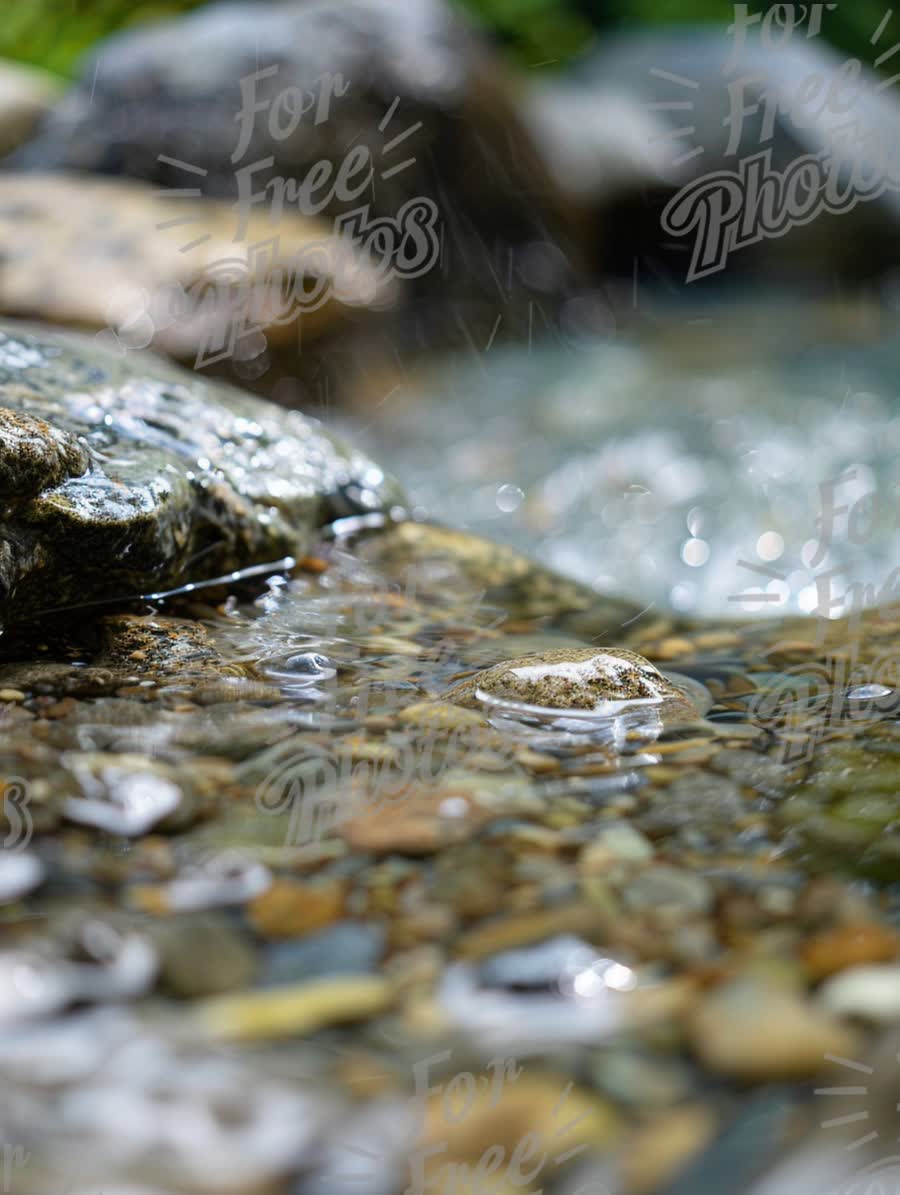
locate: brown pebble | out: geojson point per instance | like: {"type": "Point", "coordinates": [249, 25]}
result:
{"type": "Point", "coordinates": [512, 1111]}
{"type": "Point", "coordinates": [419, 823]}
{"type": "Point", "coordinates": [289, 910]}
{"type": "Point", "coordinates": [656, 1152]}
{"type": "Point", "coordinates": [670, 649]}
{"type": "Point", "coordinates": [849, 946]}
{"type": "Point", "coordinates": [11, 695]}
{"type": "Point", "coordinates": [510, 932]}
{"type": "Point", "coordinates": [712, 640]}
{"type": "Point", "coordinates": [312, 564]}
{"type": "Point", "coordinates": [755, 1031]}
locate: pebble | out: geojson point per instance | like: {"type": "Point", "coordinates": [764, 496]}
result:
{"type": "Point", "coordinates": [619, 843]}
{"type": "Point", "coordinates": [756, 1032]}
{"type": "Point", "coordinates": [672, 648]}
{"type": "Point", "coordinates": [753, 770]}
{"type": "Point", "coordinates": [870, 993]}
{"type": "Point", "coordinates": [419, 824]}
{"type": "Point", "coordinates": [346, 948]}
{"type": "Point", "coordinates": [228, 878]}
{"type": "Point", "coordinates": [669, 891]}
{"type": "Point", "coordinates": [202, 956]}
{"type": "Point", "coordinates": [507, 933]}
{"type": "Point", "coordinates": [833, 950]}
{"type": "Point", "coordinates": [13, 695]}
{"type": "Point", "coordinates": [20, 873]}
{"type": "Point", "coordinates": [545, 965]}
{"type": "Point", "coordinates": [439, 715]}
{"type": "Point", "coordinates": [569, 679]}
{"type": "Point", "coordinates": [124, 802]}
{"type": "Point", "coordinates": [293, 1011]}
{"type": "Point", "coordinates": [699, 800]}
{"type": "Point", "coordinates": [656, 1152]}
{"type": "Point", "coordinates": [532, 1124]}
{"type": "Point", "coordinates": [715, 640]}
{"type": "Point", "coordinates": [290, 910]}
{"type": "Point", "coordinates": [31, 986]}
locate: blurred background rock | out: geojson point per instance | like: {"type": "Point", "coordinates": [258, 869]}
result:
{"type": "Point", "coordinates": [550, 135]}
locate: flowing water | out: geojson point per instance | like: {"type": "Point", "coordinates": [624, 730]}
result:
{"type": "Point", "coordinates": [397, 872]}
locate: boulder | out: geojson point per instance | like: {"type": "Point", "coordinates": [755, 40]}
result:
{"type": "Point", "coordinates": [122, 477]}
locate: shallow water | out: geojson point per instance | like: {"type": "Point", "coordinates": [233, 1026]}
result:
{"type": "Point", "coordinates": [575, 894]}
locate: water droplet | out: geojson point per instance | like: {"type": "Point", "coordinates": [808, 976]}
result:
{"type": "Point", "coordinates": [509, 498]}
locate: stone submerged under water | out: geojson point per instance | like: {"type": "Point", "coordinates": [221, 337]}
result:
{"type": "Point", "coordinates": [126, 476]}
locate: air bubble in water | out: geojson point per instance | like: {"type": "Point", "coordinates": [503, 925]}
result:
{"type": "Point", "coordinates": [509, 498]}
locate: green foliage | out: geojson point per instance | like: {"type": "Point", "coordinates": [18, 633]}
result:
{"type": "Point", "coordinates": [537, 33]}
{"type": "Point", "coordinates": [55, 34]}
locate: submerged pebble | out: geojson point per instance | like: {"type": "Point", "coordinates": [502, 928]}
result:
{"type": "Point", "coordinates": [346, 948]}
{"type": "Point", "coordinates": [20, 873]}
{"type": "Point", "coordinates": [560, 991]}
{"type": "Point", "coordinates": [754, 1031]}
{"type": "Point", "coordinates": [870, 993]}
{"type": "Point", "coordinates": [123, 801]}
{"type": "Point", "coordinates": [228, 878]}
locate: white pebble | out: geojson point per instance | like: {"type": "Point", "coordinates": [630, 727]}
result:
{"type": "Point", "coordinates": [871, 993]}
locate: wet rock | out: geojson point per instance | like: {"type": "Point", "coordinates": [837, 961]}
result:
{"type": "Point", "coordinates": [156, 646]}
{"type": "Point", "coordinates": [184, 482]}
{"type": "Point", "coordinates": [409, 86]}
{"type": "Point", "coordinates": [26, 94]}
{"type": "Point", "coordinates": [502, 577]}
{"type": "Point", "coordinates": [35, 456]}
{"type": "Point", "coordinates": [149, 271]}
{"type": "Point", "coordinates": [752, 1031]}
{"type": "Point", "coordinates": [347, 948]}
{"type": "Point", "coordinates": [776, 117]}
{"type": "Point", "coordinates": [572, 679]}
